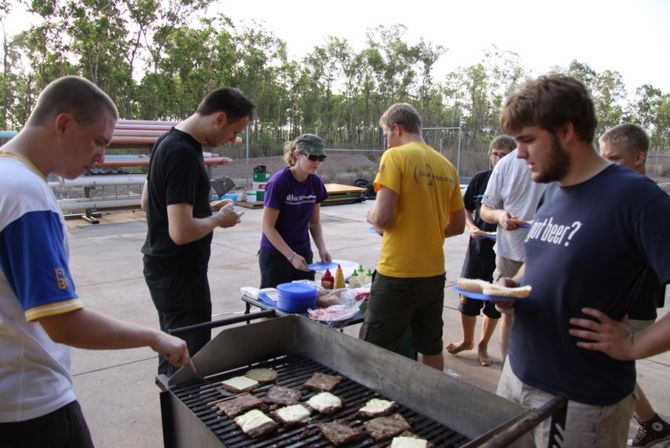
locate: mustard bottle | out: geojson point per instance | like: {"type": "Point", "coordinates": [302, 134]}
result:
{"type": "Point", "coordinates": [339, 278]}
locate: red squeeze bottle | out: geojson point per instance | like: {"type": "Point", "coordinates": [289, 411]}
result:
{"type": "Point", "coordinates": [327, 280]}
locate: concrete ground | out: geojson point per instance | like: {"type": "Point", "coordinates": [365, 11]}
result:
{"type": "Point", "coordinates": [116, 388]}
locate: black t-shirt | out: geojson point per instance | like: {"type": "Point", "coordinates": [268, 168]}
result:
{"type": "Point", "coordinates": [588, 247]}
{"type": "Point", "coordinates": [650, 297]}
{"type": "Point", "coordinates": [177, 175]}
{"type": "Point", "coordinates": [480, 258]}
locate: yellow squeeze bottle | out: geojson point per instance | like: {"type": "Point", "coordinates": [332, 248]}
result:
{"type": "Point", "coordinates": [339, 278]}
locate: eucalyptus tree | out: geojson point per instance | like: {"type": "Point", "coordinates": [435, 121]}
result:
{"type": "Point", "coordinates": [651, 109]}
{"type": "Point", "coordinates": [329, 92]}
{"type": "Point", "coordinates": [98, 46]}
{"type": "Point", "coordinates": [261, 58]}
{"type": "Point", "coordinates": [160, 18]}
{"type": "Point", "coordinates": [47, 46]}
{"type": "Point", "coordinates": [610, 99]}
{"type": "Point", "coordinates": [429, 99]}
{"type": "Point", "coordinates": [505, 72]}
{"type": "Point", "coordinates": [608, 92]}
{"type": "Point", "coordinates": [10, 76]}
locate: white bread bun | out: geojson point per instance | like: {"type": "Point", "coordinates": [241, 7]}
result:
{"type": "Point", "coordinates": [520, 292]}
{"type": "Point", "coordinates": [218, 205]}
{"type": "Point", "coordinates": [472, 285]}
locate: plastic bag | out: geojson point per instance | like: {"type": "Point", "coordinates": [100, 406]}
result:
{"type": "Point", "coordinates": [249, 291]}
{"type": "Point", "coordinates": [334, 313]}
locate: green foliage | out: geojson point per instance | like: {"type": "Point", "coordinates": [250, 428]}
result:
{"type": "Point", "coordinates": [158, 58]}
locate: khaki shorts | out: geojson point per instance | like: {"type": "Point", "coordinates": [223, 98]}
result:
{"type": "Point", "coordinates": [586, 426]}
{"type": "Point", "coordinates": [506, 268]}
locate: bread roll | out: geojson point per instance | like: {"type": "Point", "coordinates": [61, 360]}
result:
{"type": "Point", "coordinates": [471, 285]}
{"type": "Point", "coordinates": [218, 205]}
{"type": "Point", "coordinates": [520, 292]}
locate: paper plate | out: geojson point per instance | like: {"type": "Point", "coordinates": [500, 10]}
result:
{"type": "Point", "coordinates": [322, 266]}
{"type": "Point", "coordinates": [269, 296]}
{"type": "Point", "coordinates": [523, 224]}
{"type": "Point", "coordinates": [485, 297]}
{"type": "Point", "coordinates": [372, 229]}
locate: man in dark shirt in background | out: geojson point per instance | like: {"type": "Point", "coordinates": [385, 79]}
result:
{"type": "Point", "coordinates": [627, 145]}
{"type": "Point", "coordinates": [180, 221]}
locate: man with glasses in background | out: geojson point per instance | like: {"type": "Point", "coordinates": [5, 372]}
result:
{"type": "Point", "coordinates": [480, 259]}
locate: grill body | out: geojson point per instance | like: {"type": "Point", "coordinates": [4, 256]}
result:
{"type": "Point", "coordinates": [436, 404]}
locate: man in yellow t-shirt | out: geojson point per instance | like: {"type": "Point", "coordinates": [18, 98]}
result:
{"type": "Point", "coordinates": [418, 205]}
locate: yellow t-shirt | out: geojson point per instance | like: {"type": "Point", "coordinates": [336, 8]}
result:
{"type": "Point", "coordinates": [428, 190]}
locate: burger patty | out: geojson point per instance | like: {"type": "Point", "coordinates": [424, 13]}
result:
{"type": "Point", "coordinates": [239, 404]}
{"type": "Point", "coordinates": [321, 381]}
{"type": "Point", "coordinates": [282, 395]}
{"type": "Point", "coordinates": [339, 432]}
{"type": "Point", "coordinates": [382, 428]}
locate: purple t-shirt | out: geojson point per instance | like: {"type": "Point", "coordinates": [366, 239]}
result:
{"type": "Point", "coordinates": [295, 202]}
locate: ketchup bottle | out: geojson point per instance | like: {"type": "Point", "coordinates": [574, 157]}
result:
{"type": "Point", "coordinates": [327, 280]}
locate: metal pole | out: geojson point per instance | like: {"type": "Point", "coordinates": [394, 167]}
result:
{"type": "Point", "coordinates": [458, 157]}
{"type": "Point", "coordinates": [248, 187]}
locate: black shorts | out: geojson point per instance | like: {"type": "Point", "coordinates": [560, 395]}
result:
{"type": "Point", "coordinates": [472, 307]}
{"type": "Point", "coordinates": [397, 304]}
{"type": "Point", "coordinates": [276, 269]}
{"type": "Point", "coordinates": [181, 299]}
{"type": "Point", "coordinates": [65, 427]}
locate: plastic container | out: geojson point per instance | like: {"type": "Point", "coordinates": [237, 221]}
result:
{"type": "Point", "coordinates": [261, 177]}
{"type": "Point", "coordinates": [257, 186]}
{"type": "Point", "coordinates": [232, 196]}
{"type": "Point", "coordinates": [296, 297]}
{"type": "Point", "coordinates": [251, 196]}
{"type": "Point", "coordinates": [260, 195]}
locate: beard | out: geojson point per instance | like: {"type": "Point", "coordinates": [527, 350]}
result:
{"type": "Point", "coordinates": [558, 164]}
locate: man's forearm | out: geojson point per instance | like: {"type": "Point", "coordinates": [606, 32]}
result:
{"type": "Point", "coordinates": [187, 232]}
{"type": "Point", "coordinates": [89, 329]}
{"type": "Point", "coordinates": [490, 215]}
{"type": "Point", "coordinates": [652, 340]}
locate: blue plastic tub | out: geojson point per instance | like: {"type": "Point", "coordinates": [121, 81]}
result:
{"type": "Point", "coordinates": [296, 297]}
{"type": "Point", "coordinates": [232, 196]}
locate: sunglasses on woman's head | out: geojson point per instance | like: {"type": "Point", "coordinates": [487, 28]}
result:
{"type": "Point", "coordinates": [314, 158]}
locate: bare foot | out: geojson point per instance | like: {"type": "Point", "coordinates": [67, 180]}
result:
{"type": "Point", "coordinates": [483, 354]}
{"type": "Point", "coordinates": [454, 348]}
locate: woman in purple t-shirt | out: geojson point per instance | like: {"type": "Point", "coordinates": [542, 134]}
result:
{"type": "Point", "coordinates": [293, 199]}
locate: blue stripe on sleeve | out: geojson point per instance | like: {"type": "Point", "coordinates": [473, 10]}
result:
{"type": "Point", "coordinates": [32, 258]}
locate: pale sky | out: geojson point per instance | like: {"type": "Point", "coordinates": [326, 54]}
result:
{"type": "Point", "coordinates": [629, 36]}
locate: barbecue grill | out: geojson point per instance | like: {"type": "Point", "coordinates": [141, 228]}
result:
{"type": "Point", "coordinates": [441, 409]}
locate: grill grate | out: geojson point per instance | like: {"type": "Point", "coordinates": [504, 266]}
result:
{"type": "Point", "coordinates": [293, 371]}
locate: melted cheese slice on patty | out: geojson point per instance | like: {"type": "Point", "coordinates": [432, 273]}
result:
{"type": "Point", "coordinates": [324, 401]}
